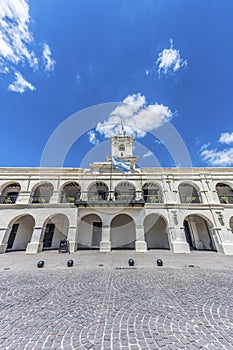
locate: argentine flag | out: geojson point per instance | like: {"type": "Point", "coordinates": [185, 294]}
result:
{"type": "Point", "coordinates": [119, 164]}
{"type": "Point", "coordinates": [137, 168]}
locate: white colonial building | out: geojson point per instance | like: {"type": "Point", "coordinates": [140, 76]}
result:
{"type": "Point", "coordinates": [105, 208]}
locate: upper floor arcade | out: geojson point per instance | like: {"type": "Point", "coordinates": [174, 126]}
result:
{"type": "Point", "coordinates": [98, 186]}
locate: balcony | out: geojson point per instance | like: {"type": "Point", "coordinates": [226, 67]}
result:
{"type": "Point", "coordinates": [190, 199]}
{"type": "Point", "coordinates": [8, 199]}
{"type": "Point", "coordinates": [226, 199]}
{"type": "Point", "coordinates": [152, 198]}
{"type": "Point", "coordinates": [40, 199]}
{"type": "Point", "coordinates": [110, 198]}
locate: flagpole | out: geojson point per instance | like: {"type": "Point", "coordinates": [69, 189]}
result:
{"type": "Point", "coordinates": [110, 197]}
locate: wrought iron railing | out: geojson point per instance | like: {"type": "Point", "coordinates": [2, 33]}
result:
{"type": "Point", "coordinates": [226, 199]}
{"type": "Point", "coordinates": [190, 199]}
{"type": "Point", "coordinates": [69, 198]}
{"type": "Point", "coordinates": [40, 199]}
{"type": "Point", "coordinates": [110, 196]}
{"type": "Point", "coordinates": [153, 198]}
{"type": "Point", "coordinates": [8, 199]}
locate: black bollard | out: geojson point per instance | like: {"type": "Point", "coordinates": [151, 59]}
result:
{"type": "Point", "coordinates": [70, 263]}
{"type": "Point", "coordinates": [159, 262]}
{"type": "Point", "coordinates": [40, 264]}
{"type": "Point", "coordinates": [131, 262]}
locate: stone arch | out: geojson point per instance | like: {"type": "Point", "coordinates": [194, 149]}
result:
{"type": "Point", "coordinates": [125, 191]}
{"type": "Point", "coordinates": [189, 193]}
{"type": "Point", "coordinates": [70, 192]}
{"type": "Point", "coordinates": [122, 232]}
{"type": "Point", "coordinates": [152, 192]}
{"type": "Point", "coordinates": [41, 193]}
{"type": "Point", "coordinates": [19, 232]}
{"type": "Point", "coordinates": [155, 230]}
{"type": "Point", "coordinates": [9, 192]}
{"type": "Point", "coordinates": [97, 191]}
{"type": "Point", "coordinates": [90, 232]}
{"type": "Point", "coordinates": [55, 229]}
{"type": "Point", "coordinates": [225, 192]}
{"type": "Point", "coordinates": [199, 232]}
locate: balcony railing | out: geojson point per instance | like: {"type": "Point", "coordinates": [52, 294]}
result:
{"type": "Point", "coordinates": [190, 199]}
{"type": "Point", "coordinates": [40, 199]}
{"type": "Point", "coordinates": [153, 198]}
{"type": "Point", "coordinates": [226, 199]}
{"type": "Point", "coordinates": [69, 198]}
{"type": "Point", "coordinates": [110, 197]}
{"type": "Point", "coordinates": [8, 199]}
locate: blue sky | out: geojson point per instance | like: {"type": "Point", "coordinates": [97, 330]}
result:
{"type": "Point", "coordinates": [165, 62]}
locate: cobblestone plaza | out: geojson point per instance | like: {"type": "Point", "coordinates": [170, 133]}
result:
{"type": "Point", "coordinates": [102, 303]}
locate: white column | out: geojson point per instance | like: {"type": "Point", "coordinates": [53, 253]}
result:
{"type": "Point", "coordinates": [169, 191]}
{"type": "Point", "coordinates": [140, 244]}
{"type": "Point", "coordinates": [73, 238]}
{"type": "Point", "coordinates": [55, 198]}
{"type": "Point", "coordinates": [105, 243]}
{"type": "Point", "coordinates": [23, 197]}
{"type": "Point", "coordinates": [178, 243]}
{"type": "Point", "coordinates": [223, 239]}
{"type": "Point", "coordinates": [4, 233]}
{"type": "Point", "coordinates": [36, 244]}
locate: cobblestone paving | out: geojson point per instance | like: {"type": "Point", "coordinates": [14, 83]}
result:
{"type": "Point", "coordinates": [117, 308]}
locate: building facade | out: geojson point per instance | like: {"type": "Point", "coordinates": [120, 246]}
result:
{"type": "Point", "coordinates": [105, 208]}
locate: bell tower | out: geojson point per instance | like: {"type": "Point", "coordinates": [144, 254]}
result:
{"type": "Point", "coordinates": [122, 148]}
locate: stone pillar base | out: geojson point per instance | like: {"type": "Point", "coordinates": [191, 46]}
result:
{"type": "Point", "coordinates": [34, 247]}
{"type": "Point", "coordinates": [105, 246]}
{"type": "Point", "coordinates": [141, 246]}
{"type": "Point", "coordinates": [180, 247]}
{"type": "Point", "coordinates": [3, 248]}
{"type": "Point", "coordinates": [73, 246]}
{"type": "Point", "coordinates": [226, 248]}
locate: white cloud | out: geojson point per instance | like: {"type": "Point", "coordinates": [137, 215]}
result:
{"type": "Point", "coordinates": [169, 60]}
{"type": "Point", "coordinates": [137, 116]}
{"type": "Point", "coordinates": [48, 60]}
{"type": "Point", "coordinates": [20, 84]}
{"type": "Point", "coordinates": [15, 36]}
{"type": "Point", "coordinates": [226, 138]}
{"type": "Point", "coordinates": [92, 138]}
{"type": "Point", "coordinates": [215, 157]}
{"type": "Point", "coordinates": [17, 44]}
{"type": "Point", "coordinates": [147, 154]}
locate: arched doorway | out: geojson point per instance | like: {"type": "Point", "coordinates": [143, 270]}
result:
{"type": "Point", "coordinates": [155, 229]}
{"type": "Point", "coordinates": [189, 194]}
{"type": "Point", "coordinates": [198, 233]}
{"type": "Point", "coordinates": [90, 232]}
{"type": "Point", "coordinates": [122, 234]}
{"type": "Point", "coordinates": [70, 192]}
{"type": "Point", "coordinates": [98, 191]}
{"type": "Point", "coordinates": [10, 193]}
{"type": "Point", "coordinates": [42, 193]}
{"type": "Point", "coordinates": [152, 193]}
{"type": "Point", "coordinates": [55, 230]}
{"type": "Point", "coordinates": [225, 193]}
{"type": "Point", "coordinates": [125, 191]}
{"type": "Point", "coordinates": [20, 232]}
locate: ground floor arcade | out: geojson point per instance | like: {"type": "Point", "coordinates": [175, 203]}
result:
{"type": "Point", "coordinates": [136, 230]}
